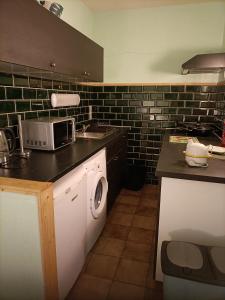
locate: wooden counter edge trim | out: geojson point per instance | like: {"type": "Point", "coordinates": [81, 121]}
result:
{"type": "Point", "coordinates": [48, 243]}
{"type": "Point", "coordinates": [23, 186]}
{"type": "Point", "coordinates": [43, 192]}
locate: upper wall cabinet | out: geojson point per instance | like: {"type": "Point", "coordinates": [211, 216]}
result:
{"type": "Point", "coordinates": [32, 36]}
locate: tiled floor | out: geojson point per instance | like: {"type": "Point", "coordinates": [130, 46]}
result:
{"type": "Point", "coordinates": [120, 266]}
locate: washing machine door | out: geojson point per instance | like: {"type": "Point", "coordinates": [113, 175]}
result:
{"type": "Point", "coordinates": [98, 195]}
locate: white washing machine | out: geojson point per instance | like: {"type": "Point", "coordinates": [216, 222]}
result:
{"type": "Point", "coordinates": [69, 193]}
{"type": "Point", "coordinates": [97, 188]}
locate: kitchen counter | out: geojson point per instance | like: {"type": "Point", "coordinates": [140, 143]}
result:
{"type": "Point", "coordinates": [49, 166]}
{"type": "Point", "coordinates": [172, 163]}
{"type": "Point", "coordinates": [29, 219]}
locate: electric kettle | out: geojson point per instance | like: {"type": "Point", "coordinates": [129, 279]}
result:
{"type": "Point", "coordinates": [7, 144]}
{"type": "Point", "coordinates": [196, 154]}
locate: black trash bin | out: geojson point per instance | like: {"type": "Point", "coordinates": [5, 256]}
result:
{"type": "Point", "coordinates": [135, 177]}
{"type": "Point", "coordinates": [192, 272]}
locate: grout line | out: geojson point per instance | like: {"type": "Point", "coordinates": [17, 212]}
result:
{"type": "Point", "coordinates": [144, 287]}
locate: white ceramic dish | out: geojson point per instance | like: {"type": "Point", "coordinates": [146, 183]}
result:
{"type": "Point", "coordinates": [216, 149]}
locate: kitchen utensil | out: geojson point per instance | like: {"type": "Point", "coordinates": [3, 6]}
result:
{"type": "Point", "coordinates": [7, 144]}
{"type": "Point", "coordinates": [7, 140]}
{"type": "Point", "coordinates": [216, 149]}
{"type": "Point", "coordinates": [202, 129]}
{"type": "Point", "coordinates": [195, 129]}
{"type": "Point", "coordinates": [22, 153]}
{"type": "Point", "coordinates": [4, 148]}
{"type": "Point", "coordinates": [196, 154]}
{"type": "Point", "coordinates": [3, 142]}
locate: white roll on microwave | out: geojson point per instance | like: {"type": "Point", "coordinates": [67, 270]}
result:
{"type": "Point", "coordinates": [48, 133]}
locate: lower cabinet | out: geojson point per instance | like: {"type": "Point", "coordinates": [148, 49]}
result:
{"type": "Point", "coordinates": [190, 211]}
{"type": "Point", "coordinates": [28, 267]}
{"type": "Point", "coordinates": [69, 195]}
{"type": "Point", "coordinates": [116, 167]}
{"type": "Point", "coordinates": [28, 239]}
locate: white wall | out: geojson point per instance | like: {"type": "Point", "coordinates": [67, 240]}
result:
{"type": "Point", "coordinates": [222, 75]}
{"type": "Point", "coordinates": [223, 46]}
{"type": "Point", "coordinates": [149, 45]}
{"type": "Point", "coordinates": [78, 16]}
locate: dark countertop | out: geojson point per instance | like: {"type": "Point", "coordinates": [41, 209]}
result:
{"type": "Point", "coordinates": [172, 163]}
{"type": "Point", "coordinates": [50, 166]}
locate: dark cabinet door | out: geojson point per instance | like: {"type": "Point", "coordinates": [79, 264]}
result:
{"type": "Point", "coordinates": [93, 62]}
{"type": "Point", "coordinates": [116, 168]}
{"type": "Point", "coordinates": [32, 36]}
{"type": "Point", "coordinates": [114, 181]}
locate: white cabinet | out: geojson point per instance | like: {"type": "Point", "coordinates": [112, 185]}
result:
{"type": "Point", "coordinates": [27, 241]}
{"type": "Point", "coordinates": [20, 251]}
{"type": "Point", "coordinates": [70, 227]}
{"type": "Point", "coordinates": [192, 211]}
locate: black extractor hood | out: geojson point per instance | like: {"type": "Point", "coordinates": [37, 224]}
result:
{"type": "Point", "coordinates": [204, 63]}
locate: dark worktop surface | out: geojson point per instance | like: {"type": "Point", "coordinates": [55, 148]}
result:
{"type": "Point", "coordinates": [172, 163]}
{"type": "Point", "coordinates": [50, 166]}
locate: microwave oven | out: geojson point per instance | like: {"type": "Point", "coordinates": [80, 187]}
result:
{"type": "Point", "coordinates": [48, 133]}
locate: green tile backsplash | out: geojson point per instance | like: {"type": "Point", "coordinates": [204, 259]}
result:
{"type": "Point", "coordinates": [30, 97]}
{"type": "Point", "coordinates": [150, 109]}
{"type": "Point", "coordinates": [2, 93]}
{"type": "Point", "coordinates": [6, 79]}
{"type": "Point", "coordinates": [147, 109]}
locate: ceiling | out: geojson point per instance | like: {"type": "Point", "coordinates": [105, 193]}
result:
{"type": "Point", "coordinates": [104, 5]}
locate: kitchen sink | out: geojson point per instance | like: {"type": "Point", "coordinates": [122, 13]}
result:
{"type": "Point", "coordinates": [96, 132]}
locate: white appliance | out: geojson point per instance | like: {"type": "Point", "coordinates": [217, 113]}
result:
{"type": "Point", "coordinates": [97, 188]}
{"type": "Point", "coordinates": [48, 133]}
{"type": "Point", "coordinates": [70, 227]}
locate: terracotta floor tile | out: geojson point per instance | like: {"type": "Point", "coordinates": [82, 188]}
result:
{"type": "Point", "coordinates": [140, 235]}
{"type": "Point", "coordinates": [128, 199]}
{"type": "Point", "coordinates": [109, 246]}
{"type": "Point", "coordinates": [136, 251]}
{"type": "Point", "coordinates": [116, 231]}
{"type": "Point", "coordinates": [88, 258]}
{"type": "Point", "coordinates": [153, 294]}
{"type": "Point", "coordinates": [144, 222]}
{"type": "Point", "coordinates": [124, 291]}
{"type": "Point", "coordinates": [149, 189]}
{"type": "Point", "coordinates": [90, 288]}
{"type": "Point", "coordinates": [102, 266]}
{"type": "Point", "coordinates": [124, 208]}
{"type": "Point", "coordinates": [149, 202]}
{"type": "Point", "coordinates": [130, 192]}
{"type": "Point", "coordinates": [109, 216]}
{"type": "Point", "coordinates": [145, 211]}
{"type": "Point", "coordinates": [133, 272]}
{"type": "Point", "coordinates": [121, 219]}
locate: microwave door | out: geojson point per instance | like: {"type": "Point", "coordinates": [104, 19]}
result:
{"type": "Point", "coordinates": [62, 134]}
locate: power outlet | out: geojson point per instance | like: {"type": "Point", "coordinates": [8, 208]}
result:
{"type": "Point", "coordinates": [90, 112]}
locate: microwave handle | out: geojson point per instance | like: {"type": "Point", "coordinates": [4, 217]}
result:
{"type": "Point", "coordinates": [73, 130]}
